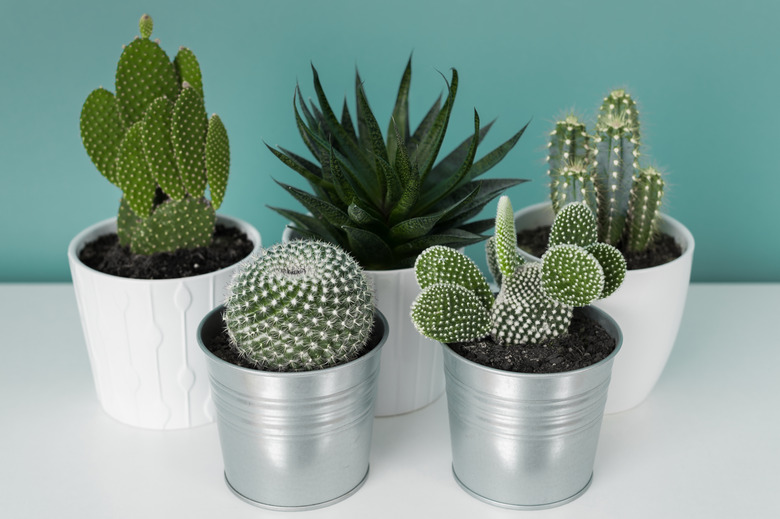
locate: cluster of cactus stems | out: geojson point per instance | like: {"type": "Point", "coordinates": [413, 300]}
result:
{"type": "Point", "coordinates": [300, 306]}
{"type": "Point", "coordinates": [535, 301]}
{"type": "Point", "coordinates": [602, 170]}
{"type": "Point", "coordinates": [154, 141]}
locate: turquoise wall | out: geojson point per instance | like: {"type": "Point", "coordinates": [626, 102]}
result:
{"type": "Point", "coordinates": [706, 74]}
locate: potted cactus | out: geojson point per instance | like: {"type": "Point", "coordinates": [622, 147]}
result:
{"type": "Point", "coordinates": [602, 169]}
{"type": "Point", "coordinates": [293, 357]}
{"type": "Point", "coordinates": [145, 278]}
{"type": "Point", "coordinates": [527, 373]}
{"type": "Point", "coordinates": [385, 199]}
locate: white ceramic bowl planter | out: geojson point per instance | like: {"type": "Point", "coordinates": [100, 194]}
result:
{"type": "Point", "coordinates": [411, 376]}
{"type": "Point", "coordinates": [648, 307]}
{"type": "Point", "coordinates": [141, 337]}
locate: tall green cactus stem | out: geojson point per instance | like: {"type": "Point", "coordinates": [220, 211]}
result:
{"type": "Point", "coordinates": [644, 209]}
{"type": "Point", "coordinates": [569, 153]}
{"type": "Point", "coordinates": [615, 161]}
{"type": "Point", "coordinates": [154, 141]}
{"type": "Point", "coordinates": [619, 104]}
{"type": "Point", "coordinates": [301, 306]}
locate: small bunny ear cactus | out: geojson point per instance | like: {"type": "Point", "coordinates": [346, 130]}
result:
{"type": "Point", "coordinates": [302, 305]}
{"type": "Point", "coordinates": [602, 170]}
{"type": "Point", "coordinates": [154, 141]}
{"type": "Point", "coordinates": [535, 302]}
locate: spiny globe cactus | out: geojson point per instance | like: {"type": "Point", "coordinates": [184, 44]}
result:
{"type": "Point", "coordinates": [602, 170]}
{"type": "Point", "coordinates": [154, 141]}
{"type": "Point", "coordinates": [301, 306]}
{"type": "Point", "coordinates": [535, 301]}
{"type": "Point", "coordinates": [385, 199]}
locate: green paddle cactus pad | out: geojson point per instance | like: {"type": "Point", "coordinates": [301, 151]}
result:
{"type": "Point", "coordinates": [143, 74]}
{"type": "Point", "coordinates": [188, 69]}
{"type": "Point", "coordinates": [612, 263]}
{"type": "Point", "coordinates": [574, 224]}
{"type": "Point", "coordinates": [448, 312]}
{"type": "Point", "coordinates": [102, 131]}
{"type": "Point", "coordinates": [188, 134]}
{"type": "Point", "coordinates": [184, 224]}
{"type": "Point", "coordinates": [217, 160]}
{"type": "Point", "coordinates": [133, 173]}
{"type": "Point", "coordinates": [439, 264]}
{"type": "Point", "coordinates": [571, 275]}
{"type": "Point", "coordinates": [159, 149]}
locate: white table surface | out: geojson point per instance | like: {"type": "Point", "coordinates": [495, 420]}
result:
{"type": "Point", "coordinates": [706, 443]}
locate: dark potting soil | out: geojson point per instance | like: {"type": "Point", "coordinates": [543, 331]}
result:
{"type": "Point", "coordinates": [661, 250]}
{"type": "Point", "coordinates": [586, 343]}
{"type": "Point", "coordinates": [230, 246]}
{"type": "Point", "coordinates": [220, 346]}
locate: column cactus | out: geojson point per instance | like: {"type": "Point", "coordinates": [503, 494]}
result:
{"type": "Point", "coordinates": [154, 141]}
{"type": "Point", "coordinates": [535, 301]}
{"type": "Point", "coordinates": [625, 197]}
{"type": "Point", "coordinates": [300, 306]}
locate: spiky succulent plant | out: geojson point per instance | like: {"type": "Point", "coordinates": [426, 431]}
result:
{"type": "Point", "coordinates": [386, 199]}
{"type": "Point", "coordinates": [602, 170]}
{"type": "Point", "coordinates": [300, 306]}
{"type": "Point", "coordinates": [535, 301]}
{"type": "Point", "coordinates": [153, 140]}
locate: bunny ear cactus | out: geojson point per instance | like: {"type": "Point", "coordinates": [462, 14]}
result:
{"type": "Point", "coordinates": [602, 170]}
{"type": "Point", "coordinates": [301, 306]}
{"type": "Point", "coordinates": [153, 140]}
{"type": "Point", "coordinates": [386, 199]}
{"type": "Point", "coordinates": [536, 300]}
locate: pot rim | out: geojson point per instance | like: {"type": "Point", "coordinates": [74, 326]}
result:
{"type": "Point", "coordinates": [378, 317]}
{"type": "Point", "coordinates": [687, 247]}
{"type": "Point", "coordinates": [96, 229]}
{"type": "Point", "coordinates": [600, 316]}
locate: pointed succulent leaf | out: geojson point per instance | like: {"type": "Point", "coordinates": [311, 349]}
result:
{"type": "Point", "coordinates": [497, 155]}
{"type": "Point", "coordinates": [318, 207]}
{"type": "Point", "coordinates": [414, 227]}
{"type": "Point", "coordinates": [133, 172]}
{"type": "Point", "coordinates": [217, 160]}
{"type": "Point", "coordinates": [424, 128]}
{"type": "Point", "coordinates": [312, 174]}
{"type": "Point", "coordinates": [612, 263]}
{"type": "Point", "coordinates": [367, 246]}
{"type": "Point", "coordinates": [447, 166]}
{"type": "Point", "coordinates": [426, 153]}
{"type": "Point", "coordinates": [369, 124]}
{"type": "Point", "coordinates": [439, 264]}
{"type": "Point", "coordinates": [488, 190]}
{"type": "Point", "coordinates": [408, 200]}
{"type": "Point", "coordinates": [398, 129]}
{"type": "Point", "coordinates": [341, 183]}
{"type": "Point", "coordinates": [143, 74]}
{"type": "Point", "coordinates": [401, 163]}
{"type": "Point", "coordinates": [188, 69]}
{"type": "Point", "coordinates": [450, 313]}
{"type": "Point", "coordinates": [101, 131]}
{"type": "Point", "coordinates": [393, 185]}
{"type": "Point", "coordinates": [574, 224]}
{"type": "Point", "coordinates": [159, 148]}
{"type": "Point", "coordinates": [346, 121]}
{"type": "Point", "coordinates": [454, 238]}
{"type": "Point", "coordinates": [315, 226]}
{"type": "Point", "coordinates": [479, 226]}
{"type": "Point", "coordinates": [362, 216]}
{"type": "Point", "coordinates": [175, 225]}
{"type": "Point", "coordinates": [571, 275]}
{"type": "Point", "coordinates": [189, 126]}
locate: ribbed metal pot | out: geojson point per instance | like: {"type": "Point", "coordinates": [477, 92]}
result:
{"type": "Point", "coordinates": [526, 441]}
{"type": "Point", "coordinates": [294, 441]}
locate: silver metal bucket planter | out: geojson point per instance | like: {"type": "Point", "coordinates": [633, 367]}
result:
{"type": "Point", "coordinates": [526, 441]}
{"type": "Point", "coordinates": [294, 441]}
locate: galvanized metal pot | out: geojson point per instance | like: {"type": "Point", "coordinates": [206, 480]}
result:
{"type": "Point", "coordinates": [294, 441]}
{"type": "Point", "coordinates": [526, 441]}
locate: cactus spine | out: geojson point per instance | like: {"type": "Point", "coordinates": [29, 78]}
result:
{"type": "Point", "coordinates": [300, 306]}
{"type": "Point", "coordinates": [535, 301]}
{"type": "Point", "coordinates": [602, 171]}
{"type": "Point", "coordinates": [154, 141]}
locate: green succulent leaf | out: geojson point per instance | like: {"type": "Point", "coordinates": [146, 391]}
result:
{"type": "Point", "coordinates": [363, 217]}
{"type": "Point", "coordinates": [398, 129]}
{"type": "Point", "coordinates": [318, 207]}
{"type": "Point", "coordinates": [497, 155]}
{"type": "Point", "coordinates": [367, 245]}
{"type": "Point", "coordinates": [189, 126]}
{"type": "Point", "coordinates": [188, 69]}
{"type": "Point", "coordinates": [571, 275]}
{"type": "Point", "coordinates": [315, 226]}
{"type": "Point", "coordinates": [454, 238]}
{"type": "Point", "coordinates": [428, 149]}
{"type": "Point", "coordinates": [159, 149]}
{"type": "Point", "coordinates": [102, 131]}
{"type": "Point", "coordinates": [133, 172]}
{"type": "Point", "coordinates": [450, 313]}
{"type": "Point", "coordinates": [449, 165]}
{"type": "Point", "coordinates": [612, 263]}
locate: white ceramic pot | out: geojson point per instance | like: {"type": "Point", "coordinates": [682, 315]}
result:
{"type": "Point", "coordinates": [412, 373]}
{"type": "Point", "coordinates": [141, 337]}
{"type": "Point", "coordinates": [648, 307]}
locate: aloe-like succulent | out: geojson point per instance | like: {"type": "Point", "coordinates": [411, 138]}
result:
{"type": "Point", "coordinates": [300, 306]}
{"type": "Point", "coordinates": [602, 170]}
{"type": "Point", "coordinates": [385, 199]}
{"type": "Point", "coordinates": [535, 301]}
{"type": "Point", "coordinates": [154, 141]}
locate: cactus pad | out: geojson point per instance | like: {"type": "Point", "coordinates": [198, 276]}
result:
{"type": "Point", "coordinates": [571, 275]}
{"type": "Point", "coordinates": [102, 131]}
{"type": "Point", "coordinates": [133, 173]}
{"type": "Point", "coordinates": [174, 225]}
{"type": "Point", "coordinates": [188, 69]}
{"type": "Point", "coordinates": [448, 312]}
{"type": "Point", "coordinates": [217, 160]}
{"type": "Point", "coordinates": [574, 224]}
{"type": "Point", "coordinates": [300, 306]}
{"type": "Point", "coordinates": [158, 148]}
{"type": "Point", "coordinates": [439, 264]}
{"type": "Point", "coordinates": [188, 134]}
{"type": "Point", "coordinates": [144, 73]}
{"type": "Point", "coordinates": [612, 263]}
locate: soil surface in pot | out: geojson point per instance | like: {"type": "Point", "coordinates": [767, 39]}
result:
{"type": "Point", "coordinates": [661, 250]}
{"type": "Point", "coordinates": [230, 246]}
{"type": "Point", "coordinates": [586, 343]}
{"type": "Point", "coordinates": [220, 346]}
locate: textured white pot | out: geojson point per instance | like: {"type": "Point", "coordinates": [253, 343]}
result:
{"type": "Point", "coordinates": [411, 374]}
{"type": "Point", "coordinates": [141, 337]}
{"type": "Point", "coordinates": [648, 307]}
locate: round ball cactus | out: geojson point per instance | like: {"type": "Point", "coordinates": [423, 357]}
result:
{"type": "Point", "coordinates": [300, 306]}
